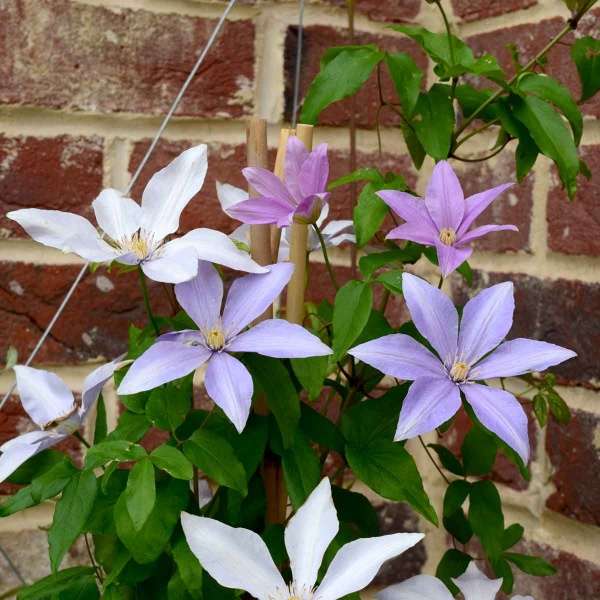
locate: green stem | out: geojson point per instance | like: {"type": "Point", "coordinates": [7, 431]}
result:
{"type": "Point", "coordinates": [433, 460]}
{"type": "Point", "coordinates": [441, 282]}
{"type": "Point", "coordinates": [326, 257]}
{"type": "Point", "coordinates": [81, 439]}
{"type": "Point", "coordinates": [147, 300]}
{"type": "Point", "coordinates": [448, 32]}
{"type": "Point", "coordinates": [475, 132]}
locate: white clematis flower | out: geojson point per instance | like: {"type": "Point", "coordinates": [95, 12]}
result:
{"type": "Point", "coordinates": [238, 558]}
{"type": "Point", "coordinates": [51, 405]}
{"type": "Point", "coordinates": [334, 233]}
{"type": "Point", "coordinates": [137, 234]}
{"type": "Point", "coordinates": [473, 584]}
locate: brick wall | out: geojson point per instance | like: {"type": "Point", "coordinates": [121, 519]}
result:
{"type": "Point", "coordinates": [83, 85]}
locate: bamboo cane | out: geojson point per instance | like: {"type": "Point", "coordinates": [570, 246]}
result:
{"type": "Point", "coordinates": [284, 136]}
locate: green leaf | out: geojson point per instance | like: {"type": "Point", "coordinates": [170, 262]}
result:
{"type": "Point", "coordinates": [70, 515]}
{"type": "Point", "coordinates": [350, 315]}
{"type": "Point", "coordinates": [249, 446]}
{"type": "Point", "coordinates": [214, 455]}
{"type": "Point", "coordinates": [321, 430]}
{"type": "Point", "coordinates": [390, 471]}
{"type": "Point", "coordinates": [551, 135]}
{"type": "Point", "coordinates": [486, 518]}
{"type": "Point", "coordinates": [172, 461]}
{"type": "Point", "coordinates": [131, 427]}
{"type": "Point", "coordinates": [458, 526]}
{"type": "Point", "coordinates": [453, 564]}
{"type": "Point", "coordinates": [63, 581]}
{"type": "Point", "coordinates": [448, 460]}
{"type": "Point", "coordinates": [36, 466]}
{"type": "Point", "coordinates": [358, 175]}
{"type": "Point", "coordinates": [407, 78]}
{"type": "Point", "coordinates": [558, 407]}
{"type": "Point", "coordinates": [525, 156]}
{"type": "Point", "coordinates": [169, 404]}
{"type": "Point", "coordinates": [465, 270]}
{"type": "Point", "coordinates": [502, 570]}
{"type": "Point", "coordinates": [371, 262]}
{"type": "Point", "coordinates": [470, 99]}
{"type": "Point", "coordinates": [478, 452]}
{"type": "Point", "coordinates": [392, 280]}
{"type": "Point", "coordinates": [512, 534]}
{"type": "Point", "coordinates": [119, 450]}
{"type": "Point", "coordinates": [586, 55]}
{"type": "Point", "coordinates": [188, 567]}
{"type": "Point", "coordinates": [415, 148]}
{"type": "Point", "coordinates": [310, 373]}
{"type": "Point", "coordinates": [540, 409]}
{"type": "Point", "coordinates": [369, 213]}
{"type": "Point", "coordinates": [356, 509]}
{"type": "Point", "coordinates": [12, 357]}
{"type": "Point", "coordinates": [100, 427]}
{"type": "Point", "coordinates": [335, 51]}
{"type": "Point", "coordinates": [455, 496]}
{"type": "Point", "coordinates": [340, 78]}
{"type": "Point", "coordinates": [140, 493]}
{"type": "Point", "coordinates": [530, 564]}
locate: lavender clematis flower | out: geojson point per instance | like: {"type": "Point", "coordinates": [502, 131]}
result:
{"type": "Point", "coordinates": [299, 200]}
{"type": "Point", "coordinates": [227, 381]}
{"type": "Point", "coordinates": [473, 584]}
{"type": "Point", "coordinates": [238, 558]}
{"type": "Point", "coordinates": [464, 357]}
{"type": "Point", "coordinates": [137, 234]}
{"type": "Point", "coordinates": [444, 217]}
{"type": "Point", "coordinates": [50, 403]}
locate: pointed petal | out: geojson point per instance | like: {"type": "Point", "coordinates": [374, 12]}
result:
{"type": "Point", "coordinates": [93, 384]}
{"type": "Point", "coordinates": [414, 231]}
{"type": "Point", "coordinates": [410, 208]}
{"type": "Point", "coordinates": [229, 384]}
{"type": "Point", "coordinates": [357, 563]}
{"type": "Point", "coordinates": [295, 155]}
{"type": "Point", "coordinates": [429, 403]}
{"type": "Point", "coordinates": [237, 558]}
{"type": "Point", "coordinates": [170, 190]}
{"type": "Point", "coordinates": [216, 247]}
{"type": "Point", "coordinates": [251, 295]}
{"type": "Point", "coordinates": [400, 356]}
{"type": "Point", "coordinates": [314, 172]}
{"type": "Point", "coordinates": [444, 197]}
{"type": "Point", "coordinates": [478, 232]}
{"type": "Point", "coordinates": [229, 195]}
{"type": "Point", "coordinates": [261, 211]}
{"type": "Point", "coordinates": [117, 216]}
{"type": "Point", "coordinates": [475, 585]}
{"type": "Point", "coordinates": [421, 587]}
{"type": "Point", "coordinates": [433, 314]}
{"type": "Point", "coordinates": [476, 204]}
{"type": "Point", "coordinates": [202, 296]}
{"type": "Point", "coordinates": [336, 227]}
{"type": "Point", "coordinates": [161, 363]}
{"type": "Point", "coordinates": [22, 448]}
{"type": "Point", "coordinates": [520, 356]}
{"type": "Point", "coordinates": [279, 339]}
{"type": "Point", "coordinates": [451, 257]}
{"type": "Point", "coordinates": [65, 231]}
{"type": "Point", "coordinates": [267, 184]}
{"type": "Point", "coordinates": [502, 414]}
{"type": "Point", "coordinates": [309, 533]}
{"type": "Point", "coordinates": [44, 395]}
{"type": "Point", "coordinates": [486, 320]}
{"type": "Point", "coordinates": [172, 263]}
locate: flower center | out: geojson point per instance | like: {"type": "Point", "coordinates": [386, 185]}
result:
{"type": "Point", "coordinates": [459, 372]}
{"type": "Point", "coordinates": [447, 236]}
{"type": "Point", "coordinates": [139, 243]}
{"type": "Point", "coordinates": [62, 418]}
{"type": "Point", "coordinates": [215, 339]}
{"type": "Point", "coordinates": [293, 592]}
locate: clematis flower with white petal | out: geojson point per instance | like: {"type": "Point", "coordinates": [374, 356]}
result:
{"type": "Point", "coordinates": [238, 558]}
{"type": "Point", "coordinates": [50, 403]}
{"type": "Point", "coordinates": [227, 380]}
{"type": "Point", "coordinates": [473, 584]}
{"type": "Point", "coordinates": [137, 235]}
{"type": "Point", "coordinates": [463, 358]}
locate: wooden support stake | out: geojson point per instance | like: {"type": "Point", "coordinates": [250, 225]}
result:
{"type": "Point", "coordinates": [284, 136]}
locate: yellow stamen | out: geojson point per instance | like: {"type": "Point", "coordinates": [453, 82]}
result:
{"type": "Point", "coordinates": [459, 372]}
{"type": "Point", "coordinates": [447, 237]}
{"type": "Point", "coordinates": [215, 339]}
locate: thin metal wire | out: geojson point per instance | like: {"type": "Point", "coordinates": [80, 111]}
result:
{"type": "Point", "coordinates": [298, 64]}
{"type": "Point", "coordinates": [12, 565]}
{"type": "Point", "coordinates": [157, 137]}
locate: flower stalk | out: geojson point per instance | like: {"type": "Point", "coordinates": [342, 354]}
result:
{"type": "Point", "coordinates": [147, 300]}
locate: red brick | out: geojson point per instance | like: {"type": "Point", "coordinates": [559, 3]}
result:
{"type": "Point", "coordinates": [473, 10]}
{"type": "Point", "coordinates": [573, 451]}
{"type": "Point", "coordinates": [394, 11]}
{"type": "Point", "coordinates": [62, 54]}
{"type": "Point", "coordinates": [574, 227]}
{"type": "Point", "coordinates": [62, 173]}
{"type": "Point", "coordinates": [557, 311]}
{"type": "Point", "coordinates": [319, 38]}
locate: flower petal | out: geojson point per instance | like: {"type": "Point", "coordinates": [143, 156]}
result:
{"type": "Point", "coordinates": [173, 263]}
{"type": "Point", "coordinates": [229, 195]}
{"type": "Point", "coordinates": [356, 564]}
{"type": "Point", "coordinates": [117, 216]}
{"type": "Point", "coordinates": [337, 227]}
{"type": "Point", "coordinates": [421, 587]}
{"type": "Point", "coordinates": [309, 210]}
{"type": "Point", "coordinates": [475, 585]}
{"type": "Point", "coordinates": [261, 211]}
{"type": "Point", "coordinates": [267, 184]}
{"type": "Point", "coordinates": [414, 231]}
{"type": "Point", "coordinates": [501, 413]}
{"type": "Point", "coordinates": [476, 204]}
{"type": "Point", "coordinates": [201, 297]}
{"type": "Point", "coordinates": [400, 356]}
{"type": "Point", "coordinates": [295, 155]}
{"type": "Point", "coordinates": [520, 356]}
{"type": "Point", "coordinates": [94, 383]}
{"type": "Point", "coordinates": [478, 232]}
{"type": "Point", "coordinates": [44, 395]}
{"type": "Point", "coordinates": [229, 384]}
{"type": "Point", "coordinates": [170, 190]}
{"type": "Point", "coordinates": [451, 257]}
{"type": "Point", "coordinates": [410, 208]}
{"type": "Point", "coordinates": [314, 172]}
{"type": "Point", "coordinates": [279, 339]}
{"type": "Point", "coordinates": [161, 363]}
{"type": "Point", "coordinates": [433, 314]}
{"type": "Point", "coordinates": [237, 558]}
{"type": "Point", "coordinates": [444, 198]}
{"type": "Point", "coordinates": [429, 403]}
{"type": "Point", "coordinates": [251, 295]}
{"type": "Point", "coordinates": [309, 533]}
{"type": "Point", "coordinates": [17, 451]}
{"type": "Point", "coordinates": [486, 320]}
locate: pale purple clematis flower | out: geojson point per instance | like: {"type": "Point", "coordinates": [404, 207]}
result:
{"type": "Point", "coordinates": [299, 200]}
{"type": "Point", "coordinates": [473, 584]}
{"type": "Point", "coordinates": [463, 358]}
{"type": "Point", "coordinates": [227, 380]}
{"type": "Point", "coordinates": [444, 217]}
{"type": "Point", "coordinates": [50, 403]}
{"type": "Point", "coordinates": [238, 558]}
{"type": "Point", "coordinates": [137, 234]}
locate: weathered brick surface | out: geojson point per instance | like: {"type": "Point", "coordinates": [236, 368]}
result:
{"type": "Point", "coordinates": [62, 54]}
{"type": "Point", "coordinates": [390, 10]}
{"type": "Point", "coordinates": [575, 456]}
{"type": "Point", "coordinates": [574, 227]}
{"type": "Point", "coordinates": [473, 10]}
{"type": "Point", "coordinates": [559, 311]}
{"type": "Point", "coordinates": [62, 173]}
